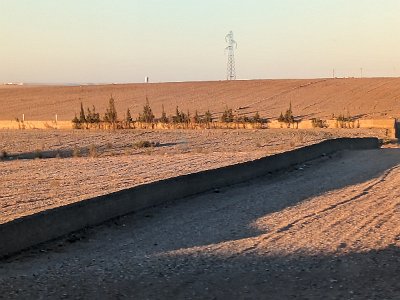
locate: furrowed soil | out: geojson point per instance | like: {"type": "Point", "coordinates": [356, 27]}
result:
{"type": "Point", "coordinates": [327, 230]}
{"type": "Point", "coordinates": [311, 98]}
{"type": "Point", "coordinates": [47, 169]}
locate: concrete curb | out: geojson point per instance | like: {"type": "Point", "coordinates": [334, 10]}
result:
{"type": "Point", "coordinates": [28, 231]}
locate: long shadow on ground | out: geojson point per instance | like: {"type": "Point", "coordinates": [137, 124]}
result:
{"type": "Point", "coordinates": [128, 257]}
{"type": "Point", "coordinates": [228, 213]}
{"type": "Point", "coordinates": [371, 275]}
{"type": "Point", "coordinates": [77, 152]}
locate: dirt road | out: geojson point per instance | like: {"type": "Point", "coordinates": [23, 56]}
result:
{"type": "Point", "coordinates": [328, 230]}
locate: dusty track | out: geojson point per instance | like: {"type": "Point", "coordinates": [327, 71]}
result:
{"type": "Point", "coordinates": [367, 98]}
{"type": "Point", "coordinates": [328, 230]}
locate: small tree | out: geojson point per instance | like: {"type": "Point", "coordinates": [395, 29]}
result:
{"type": "Point", "coordinates": [256, 118]}
{"type": "Point", "coordinates": [227, 115]}
{"type": "Point", "coordinates": [76, 123]}
{"type": "Point", "coordinates": [89, 116]}
{"type": "Point", "coordinates": [111, 113]}
{"type": "Point", "coordinates": [95, 116]}
{"type": "Point", "coordinates": [288, 117]}
{"type": "Point", "coordinates": [187, 119]}
{"type": "Point", "coordinates": [178, 118]}
{"type": "Point", "coordinates": [196, 118]}
{"type": "Point", "coordinates": [128, 118]}
{"type": "Point", "coordinates": [281, 118]}
{"type": "Point", "coordinates": [147, 116]}
{"type": "Point", "coordinates": [163, 118]}
{"type": "Point", "coordinates": [82, 117]}
{"type": "Point", "coordinates": [208, 117]}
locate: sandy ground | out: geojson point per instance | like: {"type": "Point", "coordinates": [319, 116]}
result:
{"type": "Point", "coordinates": [366, 98]}
{"type": "Point", "coordinates": [327, 230]}
{"type": "Point", "coordinates": [31, 185]}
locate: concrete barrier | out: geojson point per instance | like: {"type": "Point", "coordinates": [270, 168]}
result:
{"type": "Point", "coordinates": [28, 231]}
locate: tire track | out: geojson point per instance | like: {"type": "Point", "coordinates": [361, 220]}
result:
{"type": "Point", "coordinates": [368, 217]}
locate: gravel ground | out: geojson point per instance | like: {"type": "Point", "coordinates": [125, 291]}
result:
{"type": "Point", "coordinates": [31, 185]}
{"type": "Point", "coordinates": [329, 229]}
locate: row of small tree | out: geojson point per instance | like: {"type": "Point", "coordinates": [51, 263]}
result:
{"type": "Point", "coordinates": [229, 117]}
{"type": "Point", "coordinates": [91, 118]}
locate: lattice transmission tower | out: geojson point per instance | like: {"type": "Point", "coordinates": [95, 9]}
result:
{"type": "Point", "coordinates": [232, 45]}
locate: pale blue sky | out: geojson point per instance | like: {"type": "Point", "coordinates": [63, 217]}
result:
{"type": "Point", "coordinates": [181, 40]}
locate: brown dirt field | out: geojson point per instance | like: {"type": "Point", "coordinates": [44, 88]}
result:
{"type": "Point", "coordinates": [366, 98]}
{"type": "Point", "coordinates": [32, 185]}
{"type": "Point", "coordinates": [329, 230]}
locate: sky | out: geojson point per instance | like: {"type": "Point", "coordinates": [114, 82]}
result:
{"type": "Point", "coordinates": [104, 41]}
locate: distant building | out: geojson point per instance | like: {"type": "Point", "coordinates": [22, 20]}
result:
{"type": "Point", "coordinates": [13, 83]}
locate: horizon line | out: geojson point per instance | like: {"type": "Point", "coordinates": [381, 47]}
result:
{"type": "Point", "coordinates": [21, 83]}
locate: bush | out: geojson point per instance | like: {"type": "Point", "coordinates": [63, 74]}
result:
{"type": "Point", "coordinates": [242, 119]}
{"type": "Point", "coordinates": [345, 122]}
{"type": "Point", "coordinates": [318, 123]}
{"type": "Point", "coordinates": [92, 117]}
{"type": "Point", "coordinates": [93, 151]}
{"type": "Point", "coordinates": [76, 123]}
{"type": "Point", "coordinates": [180, 116]}
{"type": "Point", "coordinates": [227, 116]}
{"type": "Point", "coordinates": [76, 152]}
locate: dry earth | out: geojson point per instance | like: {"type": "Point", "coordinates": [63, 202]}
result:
{"type": "Point", "coordinates": [366, 98]}
{"type": "Point", "coordinates": [32, 185]}
{"type": "Point", "coordinates": [327, 230]}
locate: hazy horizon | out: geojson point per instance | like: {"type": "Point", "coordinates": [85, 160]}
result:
{"type": "Point", "coordinates": [106, 42]}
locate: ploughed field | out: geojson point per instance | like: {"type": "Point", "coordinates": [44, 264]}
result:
{"type": "Point", "coordinates": [376, 98]}
{"type": "Point", "coordinates": [46, 169]}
